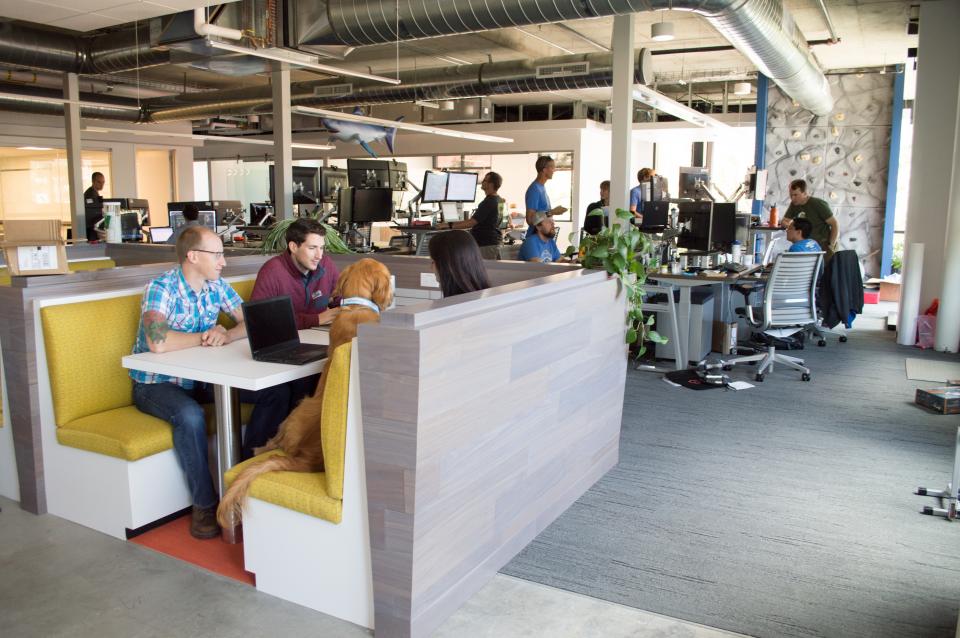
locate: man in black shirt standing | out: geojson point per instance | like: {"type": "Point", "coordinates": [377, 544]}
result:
{"type": "Point", "coordinates": [485, 223]}
{"type": "Point", "coordinates": [594, 223]}
{"type": "Point", "coordinates": [93, 204]}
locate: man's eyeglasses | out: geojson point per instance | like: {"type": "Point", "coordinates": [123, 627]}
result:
{"type": "Point", "coordinates": [217, 254]}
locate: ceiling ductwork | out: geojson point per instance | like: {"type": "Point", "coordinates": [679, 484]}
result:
{"type": "Point", "coordinates": [500, 78]}
{"type": "Point", "coordinates": [125, 111]}
{"type": "Point", "coordinates": [125, 50]}
{"type": "Point", "coordinates": [762, 30]}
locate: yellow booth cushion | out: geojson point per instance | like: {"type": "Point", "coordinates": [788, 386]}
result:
{"type": "Point", "coordinates": [304, 492]}
{"type": "Point", "coordinates": [125, 433]}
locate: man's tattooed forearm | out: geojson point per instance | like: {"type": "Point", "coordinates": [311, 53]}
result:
{"type": "Point", "coordinates": [156, 327]}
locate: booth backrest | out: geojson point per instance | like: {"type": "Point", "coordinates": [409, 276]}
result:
{"type": "Point", "coordinates": [75, 266]}
{"type": "Point", "coordinates": [84, 344]}
{"type": "Point", "coordinates": [333, 420]}
{"type": "Point", "coordinates": [244, 288]}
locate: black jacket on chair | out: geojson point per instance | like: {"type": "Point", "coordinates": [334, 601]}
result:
{"type": "Point", "coordinates": [841, 290]}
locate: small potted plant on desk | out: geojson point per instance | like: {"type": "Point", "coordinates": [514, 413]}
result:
{"type": "Point", "coordinates": [622, 250]}
{"type": "Point", "coordinates": [276, 239]}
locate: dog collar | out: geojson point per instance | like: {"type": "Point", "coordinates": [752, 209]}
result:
{"type": "Point", "coordinates": [360, 301]}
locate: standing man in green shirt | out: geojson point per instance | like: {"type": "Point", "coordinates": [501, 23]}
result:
{"type": "Point", "coordinates": [825, 229]}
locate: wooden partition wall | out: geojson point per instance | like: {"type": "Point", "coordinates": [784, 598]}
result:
{"type": "Point", "coordinates": [485, 416]}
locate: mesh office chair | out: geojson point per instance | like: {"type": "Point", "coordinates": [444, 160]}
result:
{"type": "Point", "coordinates": [789, 306]}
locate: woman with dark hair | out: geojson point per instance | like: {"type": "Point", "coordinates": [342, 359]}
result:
{"type": "Point", "coordinates": [458, 263]}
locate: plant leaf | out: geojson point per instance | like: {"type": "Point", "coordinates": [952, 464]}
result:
{"type": "Point", "coordinates": [656, 337]}
{"type": "Point", "coordinates": [631, 336]}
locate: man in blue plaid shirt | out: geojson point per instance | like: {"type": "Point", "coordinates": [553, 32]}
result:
{"type": "Point", "coordinates": [179, 310]}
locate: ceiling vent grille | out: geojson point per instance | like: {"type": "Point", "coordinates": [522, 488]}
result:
{"type": "Point", "coordinates": [333, 90]}
{"type": "Point", "coordinates": [569, 69]}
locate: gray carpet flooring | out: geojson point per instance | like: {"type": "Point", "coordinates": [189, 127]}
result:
{"type": "Point", "coordinates": [783, 510]}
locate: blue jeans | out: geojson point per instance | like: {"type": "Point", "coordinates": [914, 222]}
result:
{"type": "Point", "coordinates": [181, 409]}
{"type": "Point", "coordinates": [271, 407]}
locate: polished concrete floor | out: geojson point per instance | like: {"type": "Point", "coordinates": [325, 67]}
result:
{"type": "Point", "coordinates": [61, 579]}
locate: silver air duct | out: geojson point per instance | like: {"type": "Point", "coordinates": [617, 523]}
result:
{"type": "Point", "coordinates": [760, 29]}
{"type": "Point", "coordinates": [25, 45]}
{"type": "Point", "coordinates": [499, 78]}
{"type": "Point", "coordinates": [126, 110]}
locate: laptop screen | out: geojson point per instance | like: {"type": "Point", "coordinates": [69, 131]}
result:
{"type": "Point", "coordinates": [270, 322]}
{"type": "Point", "coordinates": [160, 234]}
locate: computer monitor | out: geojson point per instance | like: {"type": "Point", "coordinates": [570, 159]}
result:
{"type": "Point", "coordinates": [160, 234]}
{"type": "Point", "coordinates": [206, 218]}
{"type": "Point", "coordinates": [434, 187]}
{"type": "Point", "coordinates": [331, 181]}
{"type": "Point", "coordinates": [776, 243]}
{"type": "Point", "coordinates": [689, 177]}
{"type": "Point", "coordinates": [695, 221]}
{"type": "Point", "coordinates": [450, 211]}
{"type": "Point", "coordinates": [724, 225]}
{"type": "Point", "coordinates": [260, 213]}
{"type": "Point", "coordinates": [377, 173]}
{"type": "Point", "coordinates": [656, 216]}
{"type": "Point", "coordinates": [306, 185]}
{"type": "Point", "coordinates": [365, 205]}
{"type": "Point", "coordinates": [461, 187]}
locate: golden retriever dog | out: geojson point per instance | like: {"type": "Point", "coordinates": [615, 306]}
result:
{"type": "Point", "coordinates": [299, 434]}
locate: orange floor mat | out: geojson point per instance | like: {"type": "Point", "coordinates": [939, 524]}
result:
{"type": "Point", "coordinates": [174, 539]}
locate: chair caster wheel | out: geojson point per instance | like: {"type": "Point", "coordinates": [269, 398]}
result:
{"type": "Point", "coordinates": [805, 377]}
{"type": "Point", "coordinates": [759, 378]}
{"type": "Point", "coordinates": [821, 343]}
{"type": "Point", "coordinates": [843, 339]}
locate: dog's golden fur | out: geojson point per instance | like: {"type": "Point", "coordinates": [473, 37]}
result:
{"type": "Point", "coordinates": [299, 434]}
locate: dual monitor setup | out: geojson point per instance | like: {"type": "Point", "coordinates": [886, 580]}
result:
{"type": "Point", "coordinates": [451, 190]}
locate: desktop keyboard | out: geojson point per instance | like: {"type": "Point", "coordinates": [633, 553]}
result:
{"type": "Point", "coordinates": [732, 266]}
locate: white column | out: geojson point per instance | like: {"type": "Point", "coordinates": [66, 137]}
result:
{"type": "Point", "coordinates": [935, 118]}
{"type": "Point", "coordinates": [183, 163]}
{"type": "Point", "coordinates": [622, 104]}
{"type": "Point", "coordinates": [71, 117]}
{"type": "Point", "coordinates": [948, 316]}
{"type": "Point", "coordinates": [282, 151]}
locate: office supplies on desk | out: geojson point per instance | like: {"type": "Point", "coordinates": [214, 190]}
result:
{"type": "Point", "coordinates": [272, 331]}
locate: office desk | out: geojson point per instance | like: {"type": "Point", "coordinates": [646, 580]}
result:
{"type": "Point", "coordinates": [228, 368]}
{"type": "Point", "coordinates": [685, 283]}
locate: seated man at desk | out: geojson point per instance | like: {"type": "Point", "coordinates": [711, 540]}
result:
{"type": "Point", "coordinates": [541, 245]}
{"type": "Point", "coordinates": [798, 234]}
{"type": "Point", "coordinates": [307, 275]}
{"type": "Point", "coordinates": [179, 310]}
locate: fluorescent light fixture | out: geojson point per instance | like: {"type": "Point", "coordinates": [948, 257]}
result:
{"type": "Point", "coordinates": [299, 59]}
{"type": "Point", "coordinates": [206, 138]}
{"type": "Point", "coordinates": [404, 126]}
{"type": "Point", "coordinates": [34, 148]}
{"type": "Point", "coordinates": [426, 105]}
{"type": "Point", "coordinates": [61, 101]}
{"type": "Point", "coordinates": [742, 88]}
{"type": "Point", "coordinates": [663, 103]}
{"type": "Point", "coordinates": [544, 40]}
{"type": "Point", "coordinates": [661, 31]}
{"type": "Point", "coordinates": [447, 105]}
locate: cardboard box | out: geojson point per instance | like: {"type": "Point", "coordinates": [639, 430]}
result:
{"type": "Point", "coordinates": [724, 337]}
{"type": "Point", "coordinates": [943, 400]}
{"type": "Point", "coordinates": [34, 247]}
{"type": "Point", "coordinates": [889, 290]}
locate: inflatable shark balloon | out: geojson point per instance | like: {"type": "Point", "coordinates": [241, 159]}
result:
{"type": "Point", "coordinates": [362, 134]}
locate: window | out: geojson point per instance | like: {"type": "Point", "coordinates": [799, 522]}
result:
{"type": "Point", "coordinates": [34, 183]}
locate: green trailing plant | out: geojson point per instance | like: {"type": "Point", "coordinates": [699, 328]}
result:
{"type": "Point", "coordinates": [896, 262]}
{"type": "Point", "coordinates": [621, 250]}
{"type": "Point", "coordinates": [276, 242]}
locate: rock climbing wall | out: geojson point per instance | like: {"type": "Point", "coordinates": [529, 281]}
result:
{"type": "Point", "coordinates": [843, 157]}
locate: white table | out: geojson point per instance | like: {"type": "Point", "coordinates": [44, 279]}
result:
{"type": "Point", "coordinates": [228, 368]}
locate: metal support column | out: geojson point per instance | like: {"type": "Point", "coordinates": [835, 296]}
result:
{"type": "Point", "coordinates": [622, 105]}
{"type": "Point", "coordinates": [282, 140]}
{"type": "Point", "coordinates": [760, 144]}
{"type": "Point", "coordinates": [227, 404]}
{"type": "Point", "coordinates": [71, 118]}
{"type": "Point", "coordinates": [893, 171]}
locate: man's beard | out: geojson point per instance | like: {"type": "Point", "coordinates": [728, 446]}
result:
{"type": "Point", "coordinates": [549, 235]}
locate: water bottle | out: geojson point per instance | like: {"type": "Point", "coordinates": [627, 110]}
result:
{"type": "Point", "coordinates": [735, 250]}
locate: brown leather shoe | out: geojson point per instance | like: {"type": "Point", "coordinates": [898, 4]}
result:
{"type": "Point", "coordinates": [203, 524]}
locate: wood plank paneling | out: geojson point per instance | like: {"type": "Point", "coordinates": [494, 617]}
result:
{"type": "Point", "coordinates": [517, 399]}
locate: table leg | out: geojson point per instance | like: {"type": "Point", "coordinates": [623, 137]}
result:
{"type": "Point", "coordinates": [227, 404]}
{"type": "Point", "coordinates": [683, 347]}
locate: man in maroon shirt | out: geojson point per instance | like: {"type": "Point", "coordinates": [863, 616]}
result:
{"type": "Point", "coordinates": [308, 276]}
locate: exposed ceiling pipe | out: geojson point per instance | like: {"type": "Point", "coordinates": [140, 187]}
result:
{"type": "Point", "coordinates": [452, 82]}
{"type": "Point", "coordinates": [40, 108]}
{"type": "Point", "coordinates": [761, 30]}
{"type": "Point", "coordinates": [204, 28]}
{"type": "Point", "coordinates": [826, 16]}
{"type": "Point", "coordinates": [30, 46]}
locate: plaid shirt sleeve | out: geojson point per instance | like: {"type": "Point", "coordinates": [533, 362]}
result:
{"type": "Point", "coordinates": [230, 301]}
{"type": "Point", "coordinates": [157, 298]}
